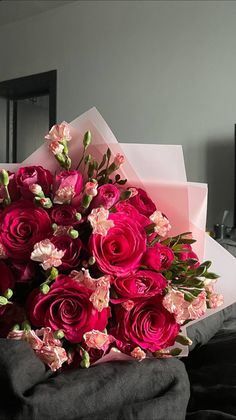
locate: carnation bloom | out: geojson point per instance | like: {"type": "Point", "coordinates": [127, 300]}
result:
{"type": "Point", "coordinates": [98, 219]}
{"type": "Point", "coordinates": [138, 353]}
{"type": "Point", "coordinates": [59, 132]}
{"type": "Point", "coordinates": [46, 253]}
{"type": "Point", "coordinates": [215, 300]}
{"type": "Point", "coordinates": [119, 160]}
{"type": "Point", "coordinates": [100, 296]}
{"type": "Point", "coordinates": [97, 340]}
{"type": "Point", "coordinates": [162, 225]}
{"type": "Point", "coordinates": [55, 147]}
{"type": "Point", "coordinates": [91, 188]}
{"type": "Point", "coordinates": [183, 310]}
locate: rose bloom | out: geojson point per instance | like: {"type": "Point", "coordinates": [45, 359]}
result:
{"type": "Point", "coordinates": [107, 196]}
{"type": "Point", "coordinates": [143, 283]}
{"type": "Point", "coordinates": [158, 257]}
{"type": "Point", "coordinates": [187, 254]}
{"type": "Point", "coordinates": [71, 248]}
{"type": "Point", "coordinates": [148, 325]}
{"type": "Point", "coordinates": [143, 203]}
{"type": "Point", "coordinates": [64, 214]}
{"type": "Point", "coordinates": [126, 207]}
{"type": "Point", "coordinates": [22, 224]}
{"type": "Point", "coordinates": [66, 307]}
{"type": "Point", "coordinates": [67, 187]}
{"type": "Point", "coordinates": [6, 282]}
{"type": "Point", "coordinates": [120, 251]}
{"type": "Point", "coordinates": [29, 175]}
{"type": "Point", "coordinates": [59, 132]}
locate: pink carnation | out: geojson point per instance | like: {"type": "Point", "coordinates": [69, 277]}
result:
{"type": "Point", "coordinates": [175, 303]}
{"type": "Point", "coordinates": [162, 225]}
{"type": "Point", "coordinates": [91, 188]}
{"type": "Point", "coordinates": [215, 300]}
{"type": "Point", "coordinates": [59, 132]}
{"type": "Point", "coordinates": [55, 147]}
{"type": "Point", "coordinates": [100, 297]}
{"type": "Point", "coordinates": [46, 253]}
{"type": "Point", "coordinates": [97, 340]}
{"type": "Point", "coordinates": [52, 356]}
{"type": "Point", "coordinates": [138, 353]}
{"type": "Point", "coordinates": [98, 219]}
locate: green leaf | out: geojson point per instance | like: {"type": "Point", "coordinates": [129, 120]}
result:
{"type": "Point", "coordinates": [108, 153]}
{"type": "Point", "coordinates": [125, 195]}
{"type": "Point", "coordinates": [117, 177]}
{"type": "Point", "coordinates": [122, 182]}
{"type": "Point", "coordinates": [212, 276]}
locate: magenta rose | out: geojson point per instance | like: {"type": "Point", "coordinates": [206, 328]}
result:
{"type": "Point", "coordinates": [67, 307]}
{"type": "Point", "coordinates": [64, 214]}
{"type": "Point", "coordinates": [22, 224]}
{"type": "Point", "coordinates": [119, 252]}
{"type": "Point", "coordinates": [148, 325]}
{"type": "Point", "coordinates": [127, 208]}
{"type": "Point", "coordinates": [6, 282]}
{"type": "Point", "coordinates": [72, 249]}
{"type": "Point", "coordinates": [142, 284]}
{"type": "Point", "coordinates": [158, 257]}
{"type": "Point", "coordinates": [143, 203]}
{"type": "Point", "coordinates": [67, 187]}
{"type": "Point", "coordinates": [107, 196]}
{"type": "Point", "coordinates": [188, 254]}
{"type": "Point", "coordinates": [23, 271]}
{"type": "Point", "coordinates": [29, 175]}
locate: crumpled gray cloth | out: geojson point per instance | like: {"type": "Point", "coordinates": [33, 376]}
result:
{"type": "Point", "coordinates": [130, 390]}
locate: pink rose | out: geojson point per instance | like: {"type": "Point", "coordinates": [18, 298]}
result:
{"type": "Point", "coordinates": [29, 175]}
{"type": "Point", "coordinates": [67, 187]}
{"type": "Point", "coordinates": [72, 250]}
{"type": "Point", "coordinates": [148, 325]}
{"type": "Point", "coordinates": [64, 214]}
{"type": "Point", "coordinates": [143, 203]}
{"type": "Point", "coordinates": [126, 207]}
{"type": "Point", "coordinates": [23, 271]}
{"type": "Point", "coordinates": [120, 251]}
{"type": "Point", "coordinates": [188, 254]}
{"type": "Point", "coordinates": [142, 284]}
{"type": "Point", "coordinates": [67, 307]}
{"type": "Point", "coordinates": [158, 257]}
{"type": "Point", "coordinates": [107, 196]}
{"type": "Point", "coordinates": [22, 224]}
{"type": "Point", "coordinates": [6, 282]}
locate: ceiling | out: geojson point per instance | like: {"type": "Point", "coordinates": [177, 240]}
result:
{"type": "Point", "coordinates": [16, 10]}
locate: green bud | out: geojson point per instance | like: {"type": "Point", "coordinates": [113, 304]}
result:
{"type": "Point", "coordinates": [44, 288]}
{"type": "Point", "coordinates": [54, 273]}
{"type": "Point", "coordinates": [92, 260]}
{"type": "Point", "coordinates": [73, 233]}
{"type": "Point", "coordinates": [78, 216]}
{"type": "Point", "coordinates": [54, 226]}
{"type": "Point", "coordinates": [45, 203]}
{"type": "Point", "coordinates": [86, 201]}
{"type": "Point", "coordinates": [184, 340]}
{"type": "Point", "coordinates": [8, 294]}
{"type": "Point", "coordinates": [175, 352]}
{"type": "Point", "coordinates": [87, 139]}
{"type": "Point", "coordinates": [61, 159]}
{"type": "Point", "coordinates": [16, 327]}
{"type": "Point", "coordinates": [59, 334]}
{"type": "Point", "coordinates": [3, 301]}
{"type": "Point", "coordinates": [26, 326]}
{"type": "Point", "coordinates": [4, 177]}
{"type": "Point", "coordinates": [85, 363]}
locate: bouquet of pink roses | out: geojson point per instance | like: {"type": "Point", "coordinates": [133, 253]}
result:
{"type": "Point", "coordinates": [87, 266]}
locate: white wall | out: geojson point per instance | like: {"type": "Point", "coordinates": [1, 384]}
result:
{"type": "Point", "coordinates": [157, 71]}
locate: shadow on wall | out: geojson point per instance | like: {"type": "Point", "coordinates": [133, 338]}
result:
{"type": "Point", "coordinates": [220, 179]}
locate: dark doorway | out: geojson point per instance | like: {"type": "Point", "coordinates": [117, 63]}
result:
{"type": "Point", "coordinates": [27, 111]}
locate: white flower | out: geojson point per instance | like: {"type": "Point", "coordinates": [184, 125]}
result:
{"type": "Point", "coordinates": [46, 253]}
{"type": "Point", "coordinates": [99, 221]}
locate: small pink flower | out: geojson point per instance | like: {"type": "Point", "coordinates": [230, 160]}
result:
{"type": "Point", "coordinates": [175, 303]}
{"type": "Point", "coordinates": [99, 221]}
{"type": "Point", "coordinates": [64, 195]}
{"type": "Point", "coordinates": [91, 188]}
{"type": "Point", "coordinates": [48, 337]}
{"type": "Point", "coordinates": [97, 340]}
{"type": "Point", "coordinates": [100, 297]}
{"type": "Point", "coordinates": [32, 338]}
{"type": "Point", "coordinates": [3, 254]}
{"type": "Point", "coordinates": [162, 223]}
{"type": "Point", "coordinates": [138, 353]}
{"type": "Point", "coordinates": [55, 147]}
{"type": "Point", "coordinates": [128, 305]}
{"type": "Point", "coordinates": [46, 253]}
{"type": "Point", "coordinates": [36, 189]}
{"type": "Point", "coordinates": [16, 335]}
{"type": "Point", "coordinates": [59, 132]}
{"type": "Point", "coordinates": [198, 306]}
{"type": "Point", "coordinates": [84, 278]}
{"type": "Point", "coordinates": [215, 300]}
{"type": "Point", "coordinates": [119, 160]}
{"type": "Point", "coordinates": [54, 357]}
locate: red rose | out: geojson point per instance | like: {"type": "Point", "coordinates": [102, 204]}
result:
{"type": "Point", "coordinates": [148, 325]}
{"type": "Point", "coordinates": [71, 247]}
{"type": "Point", "coordinates": [143, 283]}
{"type": "Point", "coordinates": [107, 196]}
{"type": "Point", "coordinates": [64, 214]}
{"type": "Point", "coordinates": [6, 282]}
{"type": "Point", "coordinates": [143, 203]}
{"type": "Point", "coordinates": [188, 254]}
{"type": "Point", "coordinates": [67, 307]}
{"type": "Point", "coordinates": [119, 252]}
{"type": "Point", "coordinates": [22, 224]}
{"type": "Point", "coordinates": [33, 175]}
{"type": "Point", "coordinates": [23, 271]}
{"type": "Point", "coordinates": [158, 257]}
{"type": "Point", "coordinates": [127, 208]}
